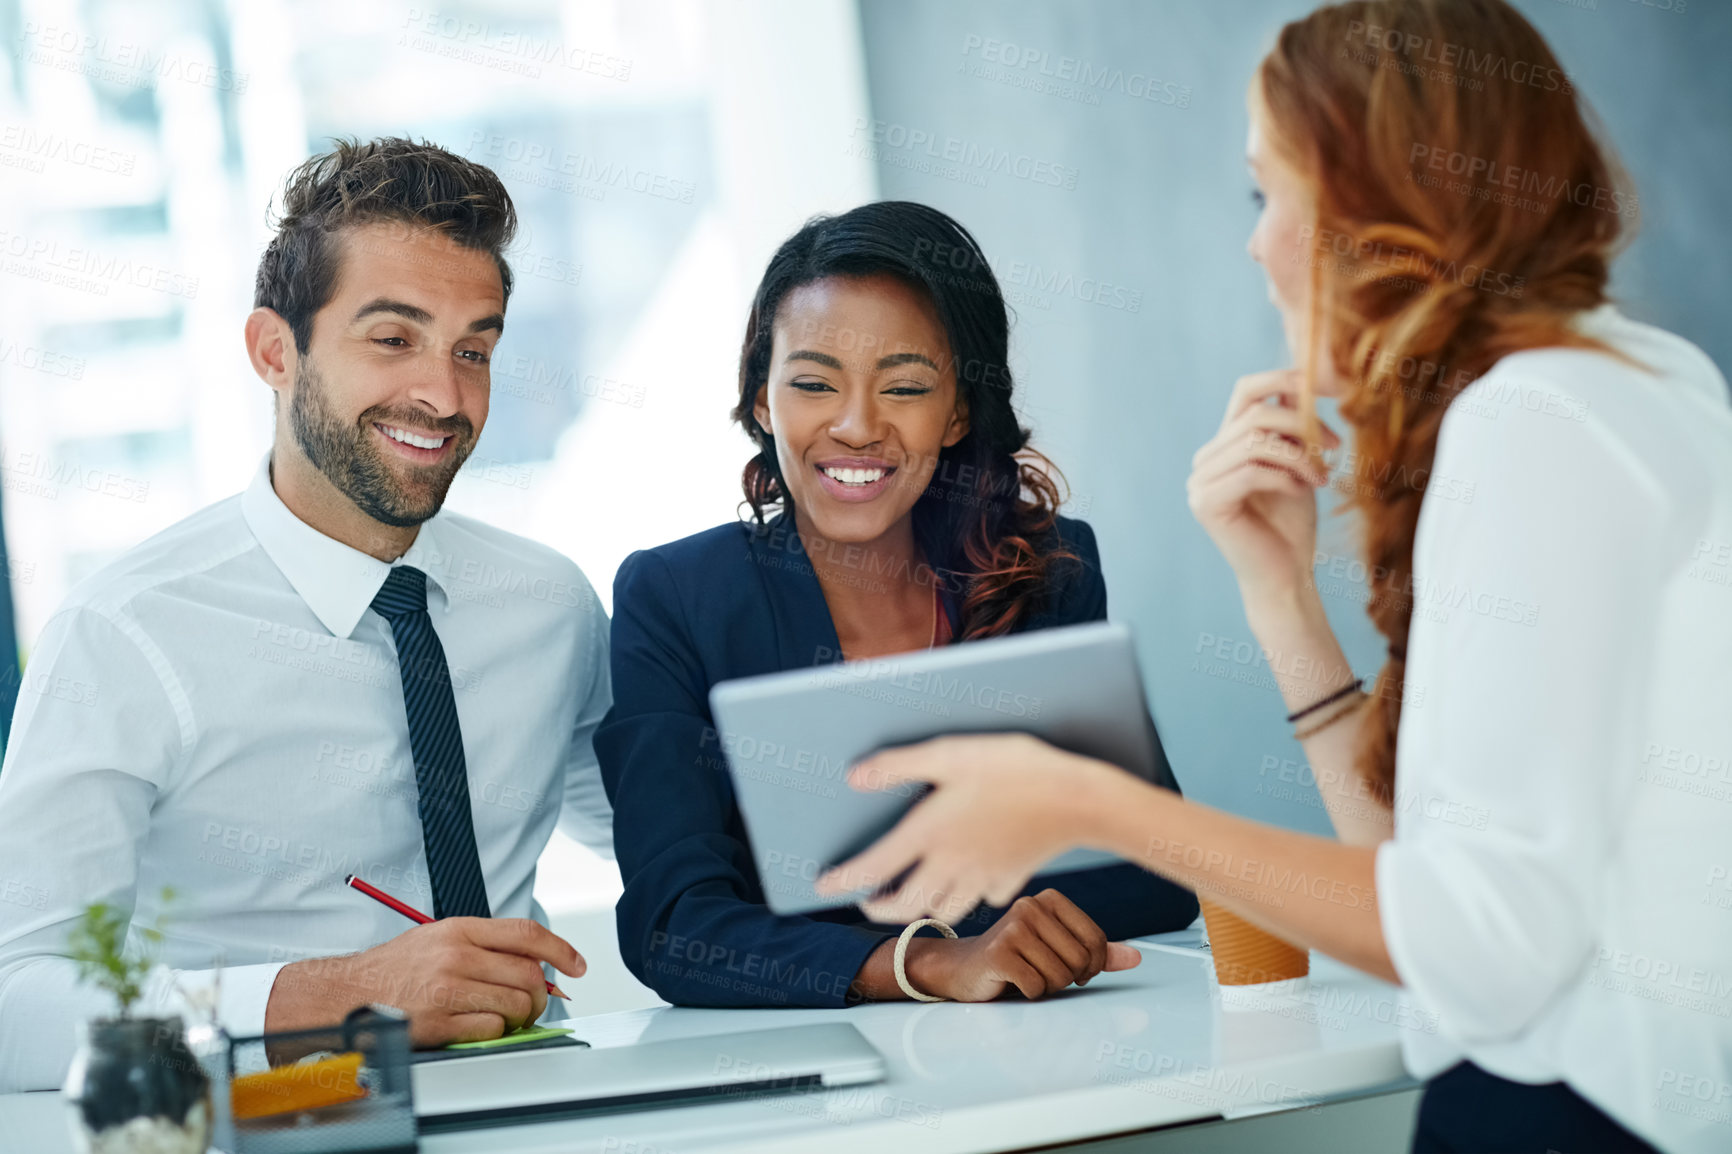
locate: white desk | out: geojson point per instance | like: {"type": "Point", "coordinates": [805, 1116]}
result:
{"type": "Point", "coordinates": [1149, 1047]}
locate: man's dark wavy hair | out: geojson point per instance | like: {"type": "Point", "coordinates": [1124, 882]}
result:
{"type": "Point", "coordinates": [391, 179]}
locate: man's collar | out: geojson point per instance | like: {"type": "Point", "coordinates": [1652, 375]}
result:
{"type": "Point", "coordinates": [337, 582]}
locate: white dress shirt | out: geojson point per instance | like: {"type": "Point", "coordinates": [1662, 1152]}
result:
{"type": "Point", "coordinates": [1556, 898]}
{"type": "Point", "coordinates": [220, 712]}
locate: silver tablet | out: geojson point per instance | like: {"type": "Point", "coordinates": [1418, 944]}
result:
{"type": "Point", "coordinates": [790, 738]}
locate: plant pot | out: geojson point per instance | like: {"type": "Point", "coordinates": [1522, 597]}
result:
{"type": "Point", "coordinates": [135, 1088]}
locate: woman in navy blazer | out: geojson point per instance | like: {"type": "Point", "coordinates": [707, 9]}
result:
{"type": "Point", "coordinates": [910, 512]}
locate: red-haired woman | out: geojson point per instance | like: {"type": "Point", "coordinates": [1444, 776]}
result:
{"type": "Point", "coordinates": [907, 512]}
{"type": "Point", "coordinates": [1527, 809]}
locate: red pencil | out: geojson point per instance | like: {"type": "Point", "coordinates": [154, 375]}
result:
{"type": "Point", "coordinates": [413, 914]}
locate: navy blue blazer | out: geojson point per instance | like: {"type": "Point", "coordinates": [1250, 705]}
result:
{"type": "Point", "coordinates": [736, 601]}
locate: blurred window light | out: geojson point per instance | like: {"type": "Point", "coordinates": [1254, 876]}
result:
{"type": "Point", "coordinates": [142, 142]}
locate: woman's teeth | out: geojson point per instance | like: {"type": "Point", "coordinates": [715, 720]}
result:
{"type": "Point", "coordinates": [408, 438]}
{"type": "Point", "coordinates": [854, 476]}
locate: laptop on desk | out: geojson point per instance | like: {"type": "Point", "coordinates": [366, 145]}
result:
{"type": "Point", "coordinates": [500, 1089]}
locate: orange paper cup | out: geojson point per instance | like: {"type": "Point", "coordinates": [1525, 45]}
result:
{"type": "Point", "coordinates": [1248, 956]}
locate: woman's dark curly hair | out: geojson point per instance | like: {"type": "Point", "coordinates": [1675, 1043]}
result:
{"type": "Point", "coordinates": [986, 520]}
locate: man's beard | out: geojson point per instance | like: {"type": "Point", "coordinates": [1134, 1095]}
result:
{"type": "Point", "coordinates": [349, 457]}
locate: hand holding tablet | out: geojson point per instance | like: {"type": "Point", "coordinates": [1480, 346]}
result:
{"type": "Point", "coordinates": [1000, 811]}
{"type": "Point", "coordinates": [790, 739]}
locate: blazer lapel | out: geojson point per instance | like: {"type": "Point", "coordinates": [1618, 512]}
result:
{"type": "Point", "coordinates": [805, 632]}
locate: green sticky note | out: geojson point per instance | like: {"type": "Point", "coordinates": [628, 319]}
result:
{"type": "Point", "coordinates": [516, 1038]}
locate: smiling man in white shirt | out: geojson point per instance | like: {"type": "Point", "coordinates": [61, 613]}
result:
{"type": "Point", "coordinates": [322, 676]}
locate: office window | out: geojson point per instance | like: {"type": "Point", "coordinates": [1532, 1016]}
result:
{"type": "Point", "coordinates": [141, 142]}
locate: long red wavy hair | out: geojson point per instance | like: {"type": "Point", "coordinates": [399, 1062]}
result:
{"type": "Point", "coordinates": [1443, 139]}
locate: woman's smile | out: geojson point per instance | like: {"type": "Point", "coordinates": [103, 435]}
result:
{"type": "Point", "coordinates": [855, 478]}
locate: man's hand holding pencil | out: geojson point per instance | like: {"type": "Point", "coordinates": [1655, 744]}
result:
{"type": "Point", "coordinates": [458, 979]}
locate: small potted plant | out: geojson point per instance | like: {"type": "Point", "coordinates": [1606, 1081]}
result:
{"type": "Point", "coordinates": [134, 1086]}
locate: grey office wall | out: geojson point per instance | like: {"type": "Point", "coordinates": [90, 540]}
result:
{"type": "Point", "coordinates": [1118, 227]}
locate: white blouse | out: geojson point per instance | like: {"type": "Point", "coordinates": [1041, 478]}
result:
{"type": "Point", "coordinates": [1557, 898]}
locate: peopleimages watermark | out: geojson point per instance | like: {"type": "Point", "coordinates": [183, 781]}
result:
{"type": "Point", "coordinates": [270, 853]}
{"type": "Point", "coordinates": [1360, 472]}
{"type": "Point", "coordinates": [1024, 283]}
{"type": "Point", "coordinates": [1525, 188]}
{"type": "Point", "coordinates": [1066, 77]}
{"type": "Point", "coordinates": [614, 1144]}
{"type": "Point", "coordinates": [456, 37]}
{"type": "Point", "coordinates": [1296, 780]}
{"type": "Point", "coordinates": [1037, 284]}
{"type": "Point", "coordinates": [1266, 883]}
{"type": "Point", "coordinates": [783, 546]}
{"type": "Point", "coordinates": [1429, 596]}
{"type": "Point", "coordinates": [930, 687]}
{"type": "Point", "coordinates": [727, 967]}
{"type": "Point", "coordinates": [121, 62]}
{"type": "Point", "coordinates": [1671, 981]}
{"type": "Point", "coordinates": [839, 1107]}
{"type": "Point", "coordinates": [777, 763]}
{"type": "Point", "coordinates": [365, 770]}
{"type": "Point", "coordinates": [35, 359]}
{"type": "Point", "coordinates": [1707, 775]}
{"type": "Point", "coordinates": [23, 894]}
{"type": "Point", "coordinates": [360, 662]}
{"type": "Point", "coordinates": [37, 474]}
{"type": "Point", "coordinates": [1430, 382]}
{"type": "Point", "coordinates": [1231, 659]}
{"type": "Point", "coordinates": [59, 686]}
{"type": "Point", "coordinates": [1694, 1095]}
{"type": "Point", "coordinates": [1711, 562]}
{"type": "Point", "coordinates": [952, 157]}
{"type": "Point", "coordinates": [1718, 890]}
{"type": "Point", "coordinates": [1364, 258]}
{"type": "Point", "coordinates": [544, 382]}
{"type": "Point", "coordinates": [87, 269]}
{"type": "Point", "coordinates": [451, 255]}
{"type": "Point", "coordinates": [1447, 62]}
{"type": "Point", "coordinates": [1673, 6]}
{"type": "Point", "coordinates": [26, 147]}
{"type": "Point", "coordinates": [576, 173]}
{"type": "Point", "coordinates": [1168, 1076]}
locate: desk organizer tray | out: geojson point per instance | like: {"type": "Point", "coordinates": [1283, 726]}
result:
{"type": "Point", "coordinates": [342, 1089]}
